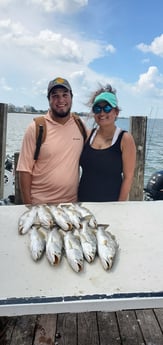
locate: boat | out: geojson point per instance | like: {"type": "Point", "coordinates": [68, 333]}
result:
{"type": "Point", "coordinates": [9, 182]}
{"type": "Point", "coordinates": [154, 187]}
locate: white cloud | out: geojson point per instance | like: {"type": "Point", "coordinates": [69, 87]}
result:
{"type": "Point", "coordinates": [51, 44]}
{"type": "Point", "coordinates": [156, 47]}
{"type": "Point", "coordinates": [48, 44]}
{"type": "Point", "coordinates": [63, 6]}
{"type": "Point", "coordinates": [5, 3]}
{"type": "Point", "coordinates": [7, 27]}
{"type": "Point", "coordinates": [149, 83]}
{"type": "Point", "coordinates": [110, 48]}
{"type": "Point", "coordinates": [32, 58]}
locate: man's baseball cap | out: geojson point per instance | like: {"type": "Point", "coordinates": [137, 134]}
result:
{"type": "Point", "coordinates": [58, 82]}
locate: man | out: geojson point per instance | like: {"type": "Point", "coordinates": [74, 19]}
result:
{"type": "Point", "coordinates": [54, 176]}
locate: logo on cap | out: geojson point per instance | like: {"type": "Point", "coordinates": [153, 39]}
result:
{"type": "Point", "coordinates": [59, 80]}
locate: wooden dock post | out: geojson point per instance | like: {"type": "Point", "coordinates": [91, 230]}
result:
{"type": "Point", "coordinates": [138, 128]}
{"type": "Point", "coordinates": [3, 131]}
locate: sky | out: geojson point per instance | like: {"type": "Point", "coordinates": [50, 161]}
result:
{"type": "Point", "coordinates": [88, 42]}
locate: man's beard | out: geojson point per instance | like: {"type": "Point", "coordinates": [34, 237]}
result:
{"type": "Point", "coordinates": [61, 114]}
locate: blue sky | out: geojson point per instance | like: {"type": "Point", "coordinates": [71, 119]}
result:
{"type": "Point", "coordinates": [88, 42]}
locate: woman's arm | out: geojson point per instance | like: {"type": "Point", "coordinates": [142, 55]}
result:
{"type": "Point", "coordinates": [128, 160]}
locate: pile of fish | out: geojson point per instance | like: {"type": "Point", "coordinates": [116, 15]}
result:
{"type": "Point", "coordinates": [67, 228]}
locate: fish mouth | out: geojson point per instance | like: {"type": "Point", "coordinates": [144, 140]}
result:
{"type": "Point", "coordinates": [70, 226]}
{"type": "Point", "coordinates": [79, 267]}
{"type": "Point", "coordinates": [109, 263]}
{"type": "Point", "coordinates": [21, 230]}
{"type": "Point", "coordinates": [90, 259]}
{"type": "Point", "coordinates": [56, 260]}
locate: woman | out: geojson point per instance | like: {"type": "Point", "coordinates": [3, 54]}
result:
{"type": "Point", "coordinates": [108, 158]}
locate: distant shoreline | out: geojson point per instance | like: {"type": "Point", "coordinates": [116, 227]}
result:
{"type": "Point", "coordinates": [28, 112]}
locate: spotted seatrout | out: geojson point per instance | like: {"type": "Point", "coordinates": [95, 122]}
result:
{"type": "Point", "coordinates": [73, 251]}
{"type": "Point", "coordinates": [26, 220]}
{"type": "Point", "coordinates": [73, 216]}
{"type": "Point", "coordinates": [36, 243]}
{"type": "Point", "coordinates": [60, 218]}
{"type": "Point", "coordinates": [88, 240]}
{"type": "Point", "coordinates": [83, 211]}
{"type": "Point", "coordinates": [45, 217]}
{"type": "Point", "coordinates": [107, 246]}
{"type": "Point", "coordinates": [54, 246]}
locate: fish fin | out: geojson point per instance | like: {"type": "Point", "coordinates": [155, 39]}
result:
{"type": "Point", "coordinates": [62, 232]}
{"type": "Point", "coordinates": [105, 226]}
{"type": "Point", "coordinates": [87, 217]}
{"type": "Point", "coordinates": [29, 206]}
{"type": "Point", "coordinates": [112, 236]}
{"type": "Point", "coordinates": [79, 203]}
{"type": "Point", "coordinates": [43, 232]}
{"type": "Point", "coordinates": [76, 233]}
{"type": "Point", "coordinates": [70, 244]}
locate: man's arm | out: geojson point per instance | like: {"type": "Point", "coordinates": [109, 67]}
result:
{"type": "Point", "coordinates": [25, 180]}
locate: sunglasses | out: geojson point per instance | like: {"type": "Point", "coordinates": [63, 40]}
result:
{"type": "Point", "coordinates": [97, 109]}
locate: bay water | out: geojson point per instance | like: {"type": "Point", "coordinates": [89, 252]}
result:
{"type": "Point", "coordinates": [17, 124]}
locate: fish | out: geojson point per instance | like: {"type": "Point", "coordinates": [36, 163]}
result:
{"type": "Point", "coordinates": [26, 220]}
{"type": "Point", "coordinates": [73, 216]}
{"type": "Point", "coordinates": [61, 218]}
{"type": "Point", "coordinates": [73, 251]}
{"type": "Point", "coordinates": [88, 240]}
{"type": "Point", "coordinates": [45, 217]}
{"type": "Point", "coordinates": [54, 245]}
{"type": "Point", "coordinates": [106, 245]}
{"type": "Point", "coordinates": [37, 243]}
{"type": "Point", "coordinates": [83, 211]}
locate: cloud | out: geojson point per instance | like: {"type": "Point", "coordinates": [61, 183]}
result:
{"type": "Point", "coordinates": [4, 3]}
{"type": "Point", "coordinates": [156, 47]}
{"type": "Point", "coordinates": [42, 13]}
{"type": "Point", "coordinates": [48, 44]}
{"type": "Point", "coordinates": [110, 48]}
{"type": "Point", "coordinates": [32, 58]}
{"type": "Point", "coordinates": [10, 29]}
{"type": "Point", "coordinates": [149, 83]}
{"type": "Point", "coordinates": [62, 6]}
{"type": "Point", "coordinates": [51, 44]}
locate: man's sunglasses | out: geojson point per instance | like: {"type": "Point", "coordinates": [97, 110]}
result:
{"type": "Point", "coordinates": [97, 109]}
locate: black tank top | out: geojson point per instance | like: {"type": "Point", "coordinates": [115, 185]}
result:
{"type": "Point", "coordinates": [101, 172]}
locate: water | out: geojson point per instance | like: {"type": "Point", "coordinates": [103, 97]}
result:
{"type": "Point", "coordinates": [16, 126]}
{"type": "Point", "coordinates": [17, 123]}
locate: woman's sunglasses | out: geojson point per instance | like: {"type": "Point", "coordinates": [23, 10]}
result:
{"type": "Point", "coordinates": [97, 109]}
